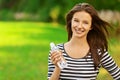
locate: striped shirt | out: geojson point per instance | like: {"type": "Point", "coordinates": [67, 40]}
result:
{"type": "Point", "coordinates": [83, 68]}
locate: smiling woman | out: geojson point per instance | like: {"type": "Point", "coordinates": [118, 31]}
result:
{"type": "Point", "coordinates": [86, 50]}
{"type": "Point", "coordinates": [81, 24]}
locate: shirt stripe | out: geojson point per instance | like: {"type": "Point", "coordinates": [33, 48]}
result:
{"type": "Point", "coordinates": [83, 68]}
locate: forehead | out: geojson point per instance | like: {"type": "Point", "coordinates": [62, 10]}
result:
{"type": "Point", "coordinates": [82, 15]}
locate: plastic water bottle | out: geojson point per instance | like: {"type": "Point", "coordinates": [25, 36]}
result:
{"type": "Point", "coordinates": [62, 64]}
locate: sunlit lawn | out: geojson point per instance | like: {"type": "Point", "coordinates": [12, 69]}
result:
{"type": "Point", "coordinates": [24, 48]}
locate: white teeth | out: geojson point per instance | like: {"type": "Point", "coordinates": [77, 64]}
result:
{"type": "Point", "coordinates": [79, 30]}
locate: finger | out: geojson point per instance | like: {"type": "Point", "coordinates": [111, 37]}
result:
{"type": "Point", "coordinates": [55, 56]}
{"type": "Point", "coordinates": [55, 53]}
{"type": "Point", "coordinates": [56, 60]}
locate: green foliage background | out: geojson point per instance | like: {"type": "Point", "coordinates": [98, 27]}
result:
{"type": "Point", "coordinates": [47, 10]}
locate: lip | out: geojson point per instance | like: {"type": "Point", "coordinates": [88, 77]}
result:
{"type": "Point", "coordinates": [79, 31]}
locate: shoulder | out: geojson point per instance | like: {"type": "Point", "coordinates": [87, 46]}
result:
{"type": "Point", "coordinates": [106, 56]}
{"type": "Point", "coordinates": [101, 52]}
{"type": "Point", "coordinates": [61, 46]}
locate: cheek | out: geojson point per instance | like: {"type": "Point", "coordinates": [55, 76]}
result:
{"type": "Point", "coordinates": [74, 24]}
{"type": "Point", "coordinates": [88, 27]}
{"type": "Point", "coordinates": [72, 27]}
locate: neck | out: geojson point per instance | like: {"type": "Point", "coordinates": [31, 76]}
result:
{"type": "Point", "coordinates": [78, 41]}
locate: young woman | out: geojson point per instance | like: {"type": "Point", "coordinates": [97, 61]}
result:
{"type": "Point", "coordinates": [86, 50]}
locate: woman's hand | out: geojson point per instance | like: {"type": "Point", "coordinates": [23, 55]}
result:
{"type": "Point", "coordinates": [56, 57]}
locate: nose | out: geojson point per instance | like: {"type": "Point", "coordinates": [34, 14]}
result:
{"type": "Point", "coordinates": [79, 25]}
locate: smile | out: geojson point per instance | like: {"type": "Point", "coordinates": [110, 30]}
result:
{"type": "Point", "coordinates": [79, 31]}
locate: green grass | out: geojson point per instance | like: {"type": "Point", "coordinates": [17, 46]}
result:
{"type": "Point", "coordinates": [24, 49]}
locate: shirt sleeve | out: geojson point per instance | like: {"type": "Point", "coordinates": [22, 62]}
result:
{"type": "Point", "coordinates": [109, 64]}
{"type": "Point", "coordinates": [50, 67]}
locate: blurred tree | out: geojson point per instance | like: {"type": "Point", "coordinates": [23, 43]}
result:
{"type": "Point", "coordinates": [106, 4]}
{"type": "Point", "coordinates": [51, 10]}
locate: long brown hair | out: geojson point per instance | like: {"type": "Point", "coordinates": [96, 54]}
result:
{"type": "Point", "coordinates": [97, 37]}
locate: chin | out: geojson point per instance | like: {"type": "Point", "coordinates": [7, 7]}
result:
{"type": "Point", "coordinates": [79, 36]}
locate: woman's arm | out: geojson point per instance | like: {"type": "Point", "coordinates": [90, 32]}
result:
{"type": "Point", "coordinates": [53, 69]}
{"type": "Point", "coordinates": [55, 75]}
{"type": "Point", "coordinates": [109, 64]}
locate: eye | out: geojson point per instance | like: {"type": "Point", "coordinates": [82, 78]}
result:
{"type": "Point", "coordinates": [75, 20]}
{"type": "Point", "coordinates": [85, 22]}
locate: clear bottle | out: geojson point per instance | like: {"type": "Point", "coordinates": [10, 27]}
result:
{"type": "Point", "coordinates": [62, 64]}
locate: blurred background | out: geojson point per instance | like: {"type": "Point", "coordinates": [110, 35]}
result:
{"type": "Point", "coordinates": [28, 26]}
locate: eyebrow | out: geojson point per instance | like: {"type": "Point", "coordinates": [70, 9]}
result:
{"type": "Point", "coordinates": [78, 18]}
{"type": "Point", "coordinates": [75, 18]}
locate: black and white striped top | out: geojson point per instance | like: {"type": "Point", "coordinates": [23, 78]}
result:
{"type": "Point", "coordinates": [83, 68]}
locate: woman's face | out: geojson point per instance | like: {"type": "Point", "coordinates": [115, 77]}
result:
{"type": "Point", "coordinates": [81, 24]}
